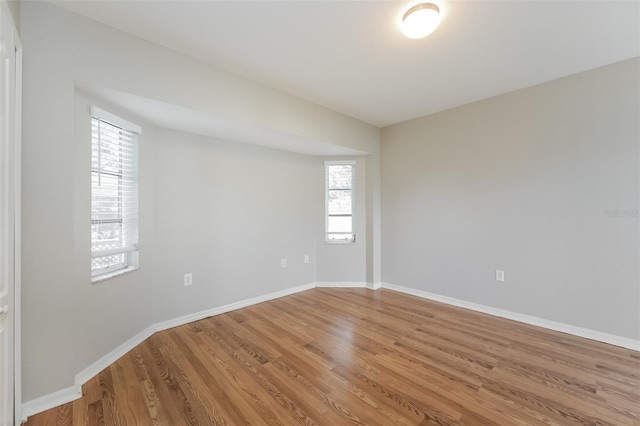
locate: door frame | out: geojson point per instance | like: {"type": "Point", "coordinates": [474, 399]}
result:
{"type": "Point", "coordinates": [17, 321]}
{"type": "Point", "coordinates": [17, 202]}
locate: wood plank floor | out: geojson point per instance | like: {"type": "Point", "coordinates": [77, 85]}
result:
{"type": "Point", "coordinates": [355, 356]}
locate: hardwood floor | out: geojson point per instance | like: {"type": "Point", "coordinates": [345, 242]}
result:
{"type": "Point", "coordinates": [355, 356]}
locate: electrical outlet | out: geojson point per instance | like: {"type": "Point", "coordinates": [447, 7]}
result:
{"type": "Point", "coordinates": [188, 279]}
{"type": "Point", "coordinates": [306, 258]}
{"type": "Point", "coordinates": [499, 275]}
{"type": "Point", "coordinates": [283, 263]}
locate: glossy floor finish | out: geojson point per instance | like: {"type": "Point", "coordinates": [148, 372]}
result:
{"type": "Point", "coordinates": [356, 356]}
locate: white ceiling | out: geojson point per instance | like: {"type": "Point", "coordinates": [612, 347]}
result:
{"type": "Point", "coordinates": [351, 57]}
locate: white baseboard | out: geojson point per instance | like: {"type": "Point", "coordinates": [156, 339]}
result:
{"type": "Point", "coordinates": [51, 400]}
{"type": "Point", "coordinates": [230, 307]}
{"type": "Point", "coordinates": [527, 319]}
{"type": "Point", "coordinates": [351, 284]}
{"type": "Point", "coordinates": [92, 370]}
{"type": "Point", "coordinates": [330, 284]}
{"type": "Point", "coordinates": [74, 392]}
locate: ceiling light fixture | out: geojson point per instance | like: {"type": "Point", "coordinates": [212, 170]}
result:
{"type": "Point", "coordinates": [421, 20]}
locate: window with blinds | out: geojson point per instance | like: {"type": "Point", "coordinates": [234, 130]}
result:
{"type": "Point", "coordinates": [114, 194]}
{"type": "Point", "coordinates": [339, 185]}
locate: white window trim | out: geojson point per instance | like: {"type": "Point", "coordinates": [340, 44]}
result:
{"type": "Point", "coordinates": [115, 120]}
{"type": "Point", "coordinates": [115, 270]}
{"type": "Point", "coordinates": [353, 202]}
{"type": "Point", "coordinates": [115, 273]}
{"type": "Point", "coordinates": [131, 264]}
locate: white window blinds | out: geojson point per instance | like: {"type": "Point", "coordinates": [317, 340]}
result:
{"type": "Point", "coordinates": [114, 193]}
{"type": "Point", "coordinates": [339, 183]}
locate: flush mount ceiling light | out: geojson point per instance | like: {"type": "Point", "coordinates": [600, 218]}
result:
{"type": "Point", "coordinates": [421, 20]}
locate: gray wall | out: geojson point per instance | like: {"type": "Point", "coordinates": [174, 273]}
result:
{"type": "Point", "coordinates": [228, 213]}
{"type": "Point", "coordinates": [68, 323]}
{"type": "Point", "coordinates": [522, 183]}
{"type": "Point", "coordinates": [14, 8]}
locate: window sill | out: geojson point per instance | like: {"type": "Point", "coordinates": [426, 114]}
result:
{"type": "Point", "coordinates": [109, 275]}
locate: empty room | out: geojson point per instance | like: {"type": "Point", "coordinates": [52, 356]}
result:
{"type": "Point", "coordinates": [320, 212]}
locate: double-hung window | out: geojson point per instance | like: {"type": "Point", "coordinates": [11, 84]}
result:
{"type": "Point", "coordinates": [339, 201]}
{"type": "Point", "coordinates": [114, 194]}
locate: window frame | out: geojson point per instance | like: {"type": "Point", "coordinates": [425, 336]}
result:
{"type": "Point", "coordinates": [129, 253]}
{"type": "Point", "coordinates": [353, 239]}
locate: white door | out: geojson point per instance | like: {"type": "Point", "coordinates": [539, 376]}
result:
{"type": "Point", "coordinates": [9, 200]}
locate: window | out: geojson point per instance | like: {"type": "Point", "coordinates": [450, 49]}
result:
{"type": "Point", "coordinates": [339, 184]}
{"type": "Point", "coordinates": [114, 194]}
